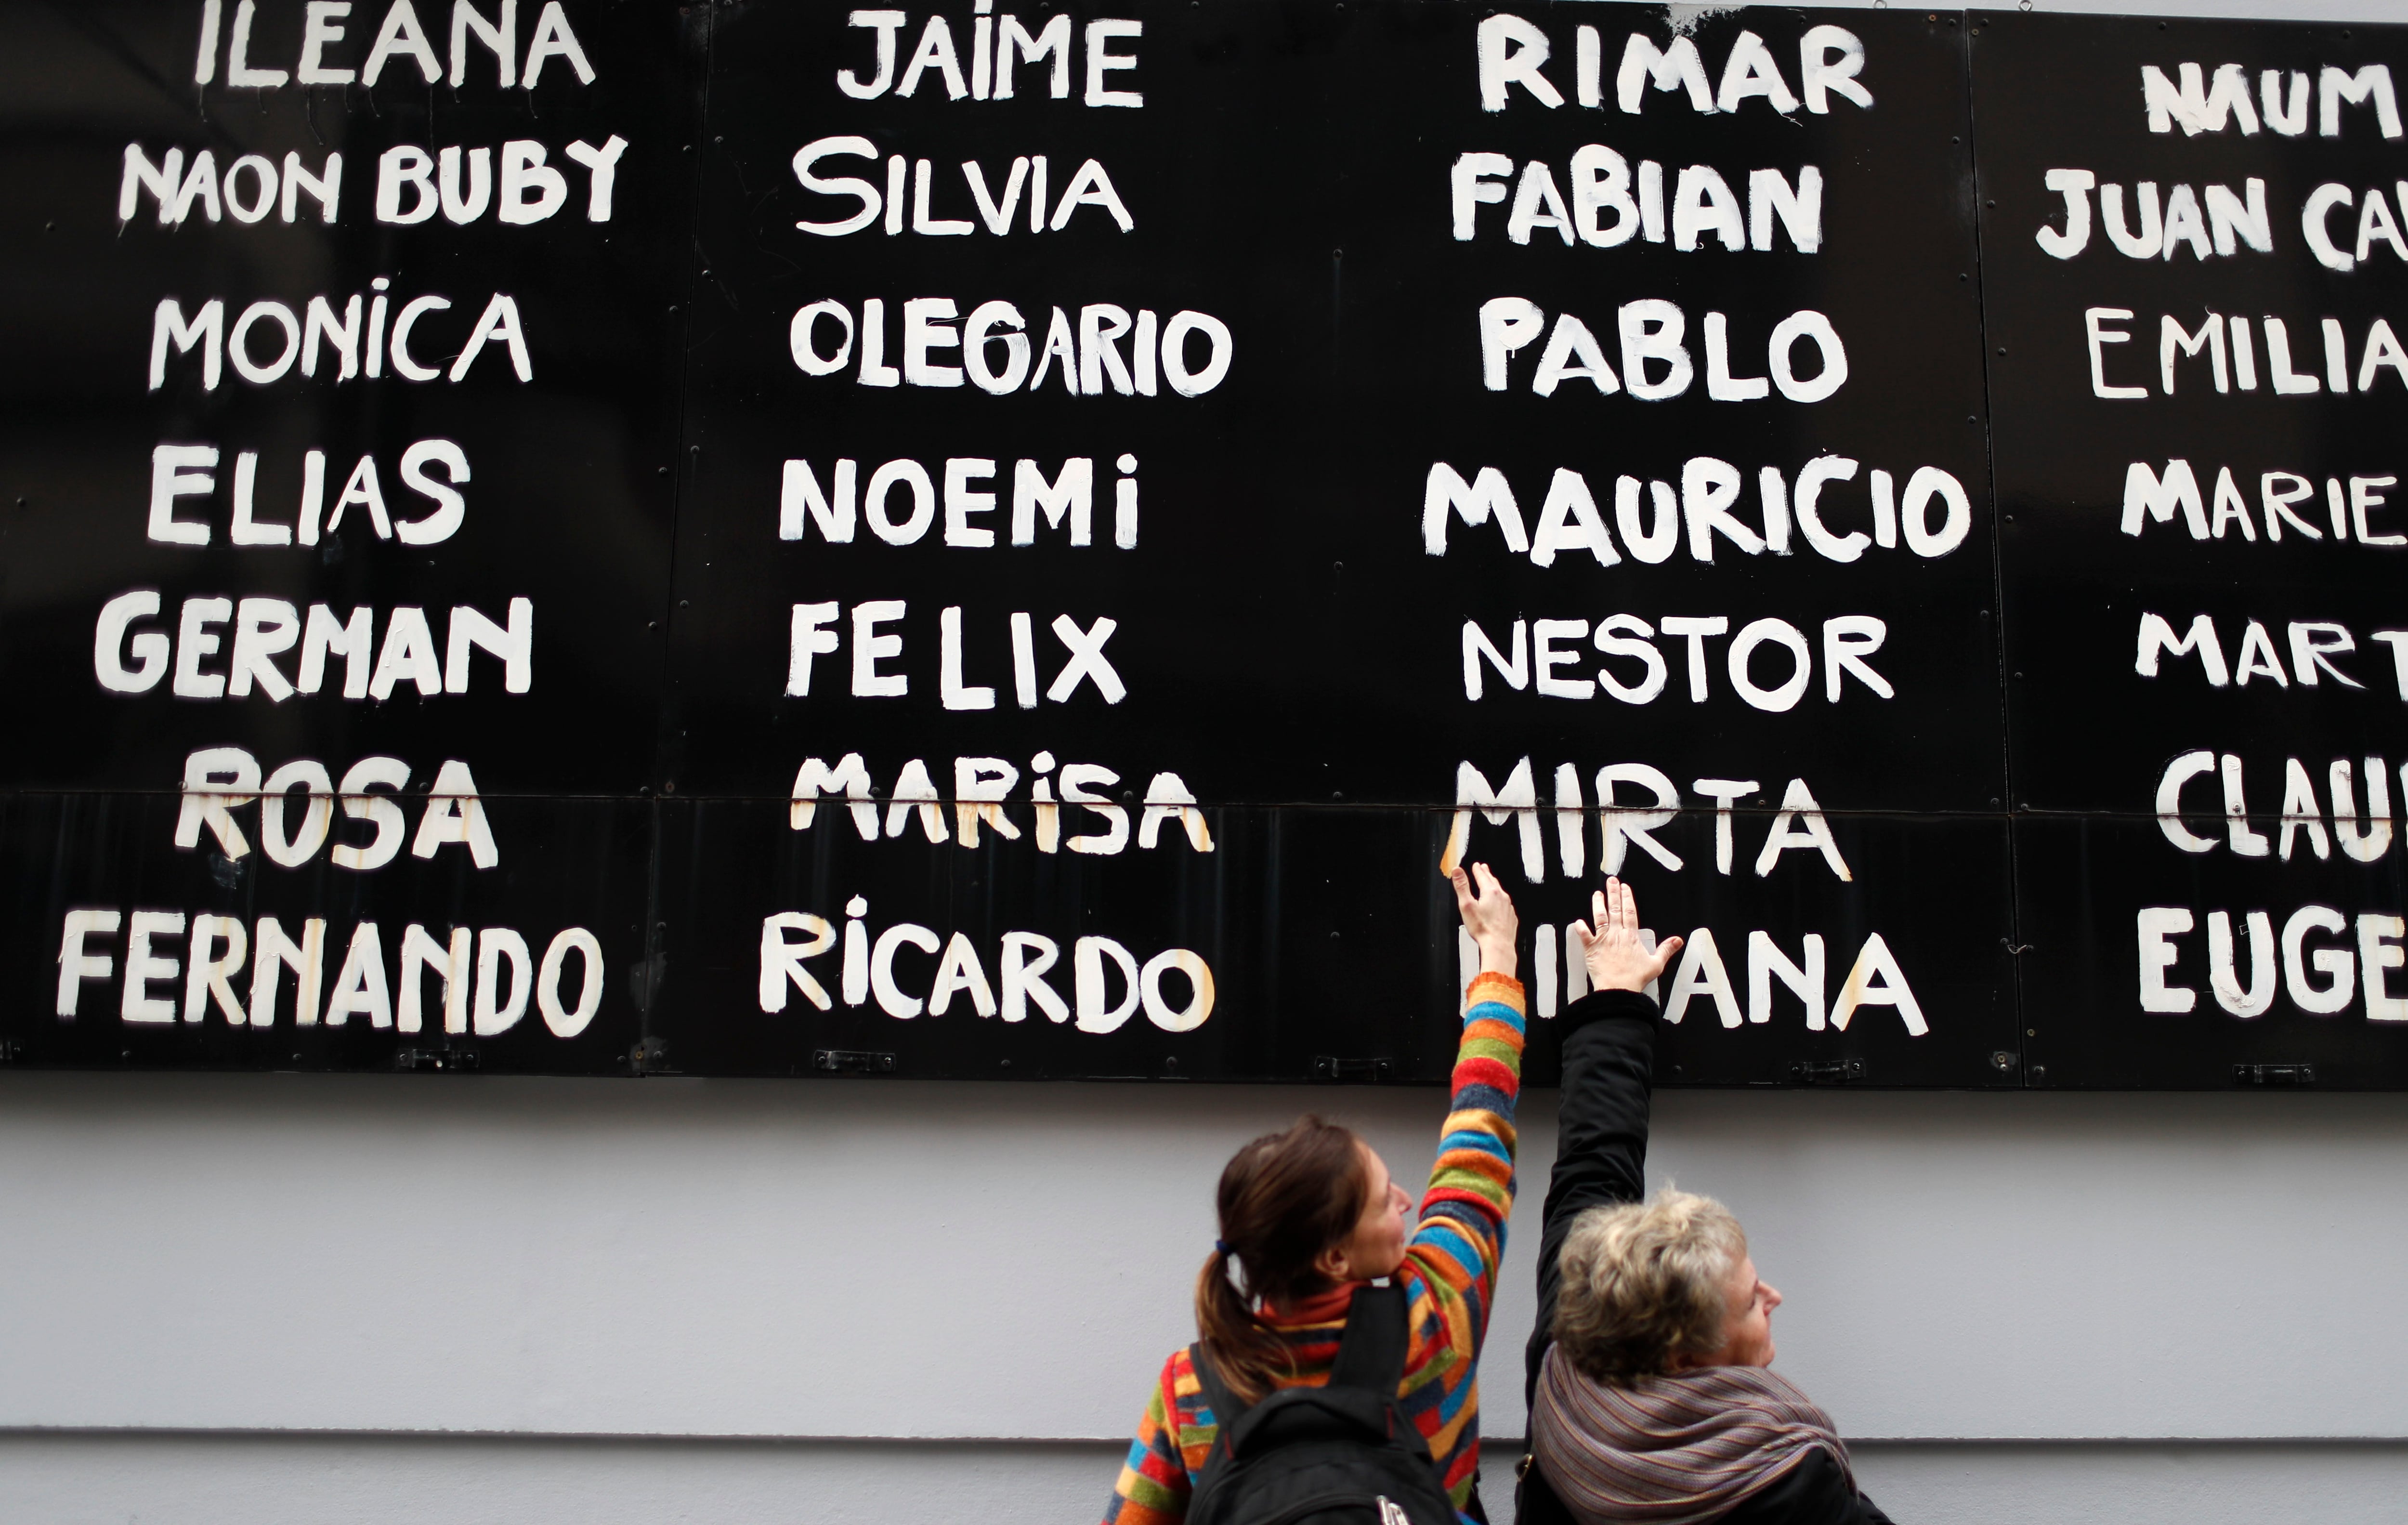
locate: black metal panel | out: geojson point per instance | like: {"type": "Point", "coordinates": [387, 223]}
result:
{"type": "Point", "coordinates": [95, 884]}
{"type": "Point", "coordinates": [1282, 633]}
{"type": "Point", "coordinates": [2059, 93]}
{"type": "Point", "coordinates": [1292, 636]}
{"type": "Point", "coordinates": [2105, 719]}
{"type": "Point", "coordinates": [566, 498]}
{"type": "Point", "coordinates": [2327, 1007]}
{"type": "Point", "coordinates": [1330, 946]}
{"type": "Point", "coordinates": [1891, 276]}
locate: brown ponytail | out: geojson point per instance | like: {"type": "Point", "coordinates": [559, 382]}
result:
{"type": "Point", "coordinates": [1283, 1199]}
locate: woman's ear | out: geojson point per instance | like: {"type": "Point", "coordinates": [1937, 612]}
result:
{"type": "Point", "coordinates": [1333, 1265]}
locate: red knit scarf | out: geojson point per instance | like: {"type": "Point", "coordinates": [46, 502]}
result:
{"type": "Point", "coordinates": [1671, 1450]}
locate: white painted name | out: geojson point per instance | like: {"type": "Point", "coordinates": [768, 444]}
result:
{"type": "Point", "coordinates": [2230, 350]}
{"type": "Point", "coordinates": [1935, 515]}
{"type": "Point", "coordinates": [219, 781]}
{"type": "Point", "coordinates": [997, 206]}
{"type": "Point", "coordinates": [1107, 982]}
{"type": "Point", "coordinates": [1538, 653]}
{"type": "Point", "coordinates": [1062, 502]}
{"type": "Point", "coordinates": [1634, 801]}
{"type": "Point", "coordinates": [181, 472]}
{"type": "Point", "coordinates": [1654, 348]}
{"type": "Point", "coordinates": [325, 53]}
{"type": "Point", "coordinates": [999, 47]}
{"type": "Point", "coordinates": [484, 977]}
{"type": "Point", "coordinates": [319, 334]}
{"type": "Point", "coordinates": [978, 790]}
{"type": "Point", "coordinates": [130, 657]}
{"type": "Point", "coordinates": [1515, 53]}
{"type": "Point", "coordinates": [1603, 185]}
{"type": "Point", "coordinates": [1107, 348]}
{"type": "Point", "coordinates": [2320, 980]}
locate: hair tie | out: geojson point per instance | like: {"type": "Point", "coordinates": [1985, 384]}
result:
{"type": "Point", "coordinates": [1221, 1246]}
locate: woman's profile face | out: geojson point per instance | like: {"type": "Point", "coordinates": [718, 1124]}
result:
{"type": "Point", "coordinates": [1376, 1247]}
{"type": "Point", "coordinates": [1747, 1333]}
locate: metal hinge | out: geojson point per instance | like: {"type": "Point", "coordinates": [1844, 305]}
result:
{"type": "Point", "coordinates": [1826, 1071]}
{"type": "Point", "coordinates": [420, 1060]}
{"type": "Point", "coordinates": [1358, 1071]}
{"type": "Point", "coordinates": [852, 1061]}
{"type": "Point", "coordinates": [2275, 1075]}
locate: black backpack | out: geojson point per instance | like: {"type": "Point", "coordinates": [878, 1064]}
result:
{"type": "Point", "coordinates": [1338, 1455]}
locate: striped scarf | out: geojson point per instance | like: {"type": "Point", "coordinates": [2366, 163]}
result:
{"type": "Point", "coordinates": [1671, 1450]}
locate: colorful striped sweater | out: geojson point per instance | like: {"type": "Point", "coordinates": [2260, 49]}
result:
{"type": "Point", "coordinates": [1450, 1278]}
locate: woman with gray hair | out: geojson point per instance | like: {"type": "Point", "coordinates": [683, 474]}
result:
{"type": "Point", "coordinates": [1650, 1400]}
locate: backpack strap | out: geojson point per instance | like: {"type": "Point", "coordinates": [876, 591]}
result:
{"type": "Point", "coordinates": [1224, 1406]}
{"type": "Point", "coordinates": [1371, 1351]}
{"type": "Point", "coordinates": [1371, 1357]}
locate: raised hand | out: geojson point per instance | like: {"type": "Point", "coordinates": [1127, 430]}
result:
{"type": "Point", "coordinates": [1615, 958]}
{"type": "Point", "coordinates": [1489, 919]}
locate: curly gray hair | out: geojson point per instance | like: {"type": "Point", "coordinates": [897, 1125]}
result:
{"type": "Point", "coordinates": [1646, 1283]}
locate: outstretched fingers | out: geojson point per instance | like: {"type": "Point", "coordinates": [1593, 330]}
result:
{"type": "Point", "coordinates": [1619, 908]}
{"type": "Point", "coordinates": [1665, 953]}
{"type": "Point", "coordinates": [1488, 885]}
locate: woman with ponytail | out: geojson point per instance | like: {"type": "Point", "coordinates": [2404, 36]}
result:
{"type": "Point", "coordinates": [1310, 1215]}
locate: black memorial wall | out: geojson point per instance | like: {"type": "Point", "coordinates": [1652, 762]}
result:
{"type": "Point", "coordinates": [1018, 540]}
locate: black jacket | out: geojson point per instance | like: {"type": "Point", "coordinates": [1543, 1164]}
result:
{"type": "Point", "coordinates": [1609, 1045]}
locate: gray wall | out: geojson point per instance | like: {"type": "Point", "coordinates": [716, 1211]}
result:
{"type": "Point", "coordinates": [609, 1286]}
{"type": "Point", "coordinates": [404, 1301]}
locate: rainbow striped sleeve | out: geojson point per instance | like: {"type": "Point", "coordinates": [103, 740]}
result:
{"type": "Point", "coordinates": [1154, 1482]}
{"type": "Point", "coordinates": [1449, 1274]}
{"type": "Point", "coordinates": [1461, 1240]}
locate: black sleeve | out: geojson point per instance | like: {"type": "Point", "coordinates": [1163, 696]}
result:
{"type": "Point", "coordinates": [1814, 1492]}
{"type": "Point", "coordinates": [1609, 1042]}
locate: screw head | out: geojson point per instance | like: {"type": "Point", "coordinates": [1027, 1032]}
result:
{"type": "Point", "coordinates": [2002, 1061]}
